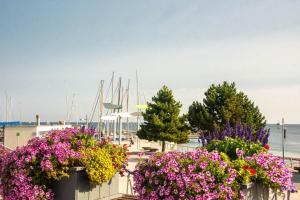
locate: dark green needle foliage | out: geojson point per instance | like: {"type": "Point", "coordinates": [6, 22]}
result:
{"type": "Point", "coordinates": [162, 121]}
{"type": "Point", "coordinates": [223, 104]}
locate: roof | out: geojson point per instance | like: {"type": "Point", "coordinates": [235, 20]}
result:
{"type": "Point", "coordinates": [10, 123]}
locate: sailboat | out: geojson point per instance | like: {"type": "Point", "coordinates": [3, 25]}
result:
{"type": "Point", "coordinates": [108, 123]}
{"type": "Point", "coordinates": [112, 113]}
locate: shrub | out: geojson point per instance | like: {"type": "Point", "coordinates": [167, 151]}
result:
{"type": "Point", "coordinates": [191, 175]}
{"type": "Point", "coordinates": [27, 172]}
{"type": "Point", "coordinates": [98, 165]}
{"type": "Point", "coordinates": [247, 153]}
{"type": "Point", "coordinates": [230, 146]}
{"type": "Point", "coordinates": [271, 171]}
{"type": "Point", "coordinates": [118, 155]}
{"type": "Point", "coordinates": [3, 154]}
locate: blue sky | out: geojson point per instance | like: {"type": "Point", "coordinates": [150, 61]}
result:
{"type": "Point", "coordinates": [52, 49]}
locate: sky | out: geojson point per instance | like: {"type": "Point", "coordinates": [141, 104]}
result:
{"type": "Point", "coordinates": [53, 53]}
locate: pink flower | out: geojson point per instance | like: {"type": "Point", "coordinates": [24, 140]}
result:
{"type": "Point", "coordinates": [239, 152]}
{"type": "Point", "coordinates": [140, 154]}
{"type": "Point", "coordinates": [51, 154]}
{"type": "Point", "coordinates": [177, 175]}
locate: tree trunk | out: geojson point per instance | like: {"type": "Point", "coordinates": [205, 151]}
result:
{"type": "Point", "coordinates": [163, 146]}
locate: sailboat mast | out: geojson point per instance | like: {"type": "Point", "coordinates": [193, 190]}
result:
{"type": "Point", "coordinates": [138, 100]}
{"type": "Point", "coordinates": [73, 109]}
{"type": "Point", "coordinates": [112, 87]}
{"type": "Point", "coordinates": [127, 103]}
{"type": "Point", "coordinates": [67, 105]}
{"type": "Point", "coordinates": [119, 98]}
{"type": "Point", "coordinates": [119, 92]}
{"type": "Point", "coordinates": [113, 123]}
{"type": "Point", "coordinates": [100, 105]}
{"type": "Point", "coordinates": [6, 107]}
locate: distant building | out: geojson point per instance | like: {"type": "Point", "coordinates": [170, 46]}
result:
{"type": "Point", "coordinates": [12, 135]}
{"type": "Point", "coordinates": [19, 135]}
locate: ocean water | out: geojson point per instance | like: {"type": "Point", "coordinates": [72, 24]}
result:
{"type": "Point", "coordinates": [292, 141]}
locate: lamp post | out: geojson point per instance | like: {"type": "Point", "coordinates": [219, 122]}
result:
{"type": "Point", "coordinates": [84, 121]}
{"type": "Point", "coordinates": [283, 132]}
{"type": "Point", "coordinates": [17, 134]}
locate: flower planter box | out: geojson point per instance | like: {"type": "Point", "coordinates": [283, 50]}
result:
{"type": "Point", "coordinates": [78, 187]}
{"type": "Point", "coordinates": [256, 191]}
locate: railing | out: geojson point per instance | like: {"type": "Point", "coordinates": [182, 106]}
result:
{"type": "Point", "coordinates": [181, 147]}
{"type": "Point", "coordinates": [129, 183]}
{"type": "Point", "coordinates": [292, 161]}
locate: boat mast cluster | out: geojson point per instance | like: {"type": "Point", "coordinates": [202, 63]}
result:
{"type": "Point", "coordinates": [109, 113]}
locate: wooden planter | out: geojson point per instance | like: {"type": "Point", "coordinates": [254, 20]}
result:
{"type": "Point", "coordinates": [78, 187]}
{"type": "Point", "coordinates": [256, 191]}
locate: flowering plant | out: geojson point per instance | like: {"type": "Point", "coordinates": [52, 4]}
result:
{"type": "Point", "coordinates": [27, 172]}
{"type": "Point", "coordinates": [231, 145]}
{"type": "Point", "coordinates": [119, 156]}
{"type": "Point", "coordinates": [264, 168]}
{"type": "Point", "coordinates": [3, 153]}
{"type": "Point", "coordinates": [271, 171]}
{"type": "Point", "coordinates": [4, 150]}
{"type": "Point", "coordinates": [238, 131]}
{"type": "Point", "coordinates": [191, 175]}
{"type": "Point", "coordinates": [228, 159]}
{"type": "Point", "coordinates": [245, 173]}
{"type": "Point", "coordinates": [248, 154]}
{"type": "Point", "coordinates": [98, 165]}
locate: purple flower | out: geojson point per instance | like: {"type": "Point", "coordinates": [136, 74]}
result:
{"type": "Point", "coordinates": [239, 131]}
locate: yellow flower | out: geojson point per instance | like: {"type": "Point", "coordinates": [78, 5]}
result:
{"type": "Point", "coordinates": [98, 164]}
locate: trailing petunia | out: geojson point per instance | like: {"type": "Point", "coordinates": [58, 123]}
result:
{"type": "Point", "coordinates": [27, 172]}
{"type": "Point", "coordinates": [271, 171]}
{"type": "Point", "coordinates": [197, 174]}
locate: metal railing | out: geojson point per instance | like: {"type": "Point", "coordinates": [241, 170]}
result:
{"type": "Point", "coordinates": [129, 183]}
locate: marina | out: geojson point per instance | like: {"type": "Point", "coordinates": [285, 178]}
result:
{"type": "Point", "coordinates": [149, 100]}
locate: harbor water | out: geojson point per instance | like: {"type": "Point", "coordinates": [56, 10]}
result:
{"type": "Point", "coordinates": [292, 141]}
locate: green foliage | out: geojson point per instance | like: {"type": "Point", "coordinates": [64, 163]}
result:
{"type": "Point", "coordinates": [162, 121]}
{"type": "Point", "coordinates": [82, 140]}
{"type": "Point", "coordinates": [199, 118]}
{"type": "Point", "coordinates": [225, 157]}
{"type": "Point", "coordinates": [229, 146]}
{"type": "Point", "coordinates": [222, 104]}
{"type": "Point", "coordinates": [244, 176]}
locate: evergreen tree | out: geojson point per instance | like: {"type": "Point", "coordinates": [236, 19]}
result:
{"type": "Point", "coordinates": [222, 104]}
{"type": "Point", "coordinates": [162, 121]}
